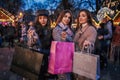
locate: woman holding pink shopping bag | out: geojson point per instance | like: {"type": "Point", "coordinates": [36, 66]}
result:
{"type": "Point", "coordinates": [63, 32]}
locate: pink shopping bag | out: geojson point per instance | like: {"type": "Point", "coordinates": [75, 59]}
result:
{"type": "Point", "coordinates": [61, 57]}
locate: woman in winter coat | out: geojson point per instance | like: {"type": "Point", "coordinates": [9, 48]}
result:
{"type": "Point", "coordinates": [86, 33]}
{"type": "Point", "coordinates": [43, 29]}
{"type": "Point", "coordinates": [63, 32]}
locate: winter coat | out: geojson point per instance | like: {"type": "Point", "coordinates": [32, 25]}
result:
{"type": "Point", "coordinates": [59, 29]}
{"type": "Point", "coordinates": [85, 33]}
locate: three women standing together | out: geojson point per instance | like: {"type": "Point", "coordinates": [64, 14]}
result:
{"type": "Point", "coordinates": [85, 34]}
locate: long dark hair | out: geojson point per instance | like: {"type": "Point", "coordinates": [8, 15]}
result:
{"type": "Point", "coordinates": [38, 23]}
{"type": "Point", "coordinates": [39, 28]}
{"type": "Point", "coordinates": [89, 17]}
{"type": "Point", "coordinates": [59, 19]}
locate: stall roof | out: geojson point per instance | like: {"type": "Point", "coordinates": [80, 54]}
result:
{"type": "Point", "coordinates": [5, 15]}
{"type": "Point", "coordinates": [117, 17]}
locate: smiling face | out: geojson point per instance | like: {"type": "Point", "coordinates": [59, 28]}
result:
{"type": "Point", "coordinates": [66, 18]}
{"type": "Point", "coordinates": [43, 20]}
{"type": "Point", "coordinates": [83, 17]}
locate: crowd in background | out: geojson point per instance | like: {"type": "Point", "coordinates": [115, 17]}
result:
{"type": "Point", "coordinates": [38, 34]}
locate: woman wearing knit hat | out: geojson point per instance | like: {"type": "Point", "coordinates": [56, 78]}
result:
{"type": "Point", "coordinates": [43, 29]}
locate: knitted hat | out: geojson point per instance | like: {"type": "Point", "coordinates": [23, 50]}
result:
{"type": "Point", "coordinates": [42, 12]}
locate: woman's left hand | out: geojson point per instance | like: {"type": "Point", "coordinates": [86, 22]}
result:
{"type": "Point", "coordinates": [86, 43]}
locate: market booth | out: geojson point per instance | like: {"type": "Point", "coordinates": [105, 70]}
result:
{"type": "Point", "coordinates": [5, 16]}
{"type": "Point", "coordinates": [115, 45]}
{"type": "Point", "coordinates": [116, 18]}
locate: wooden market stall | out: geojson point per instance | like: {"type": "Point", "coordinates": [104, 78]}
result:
{"type": "Point", "coordinates": [5, 16]}
{"type": "Point", "coordinates": [116, 18]}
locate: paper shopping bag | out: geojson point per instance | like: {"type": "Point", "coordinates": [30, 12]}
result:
{"type": "Point", "coordinates": [61, 57]}
{"type": "Point", "coordinates": [26, 63]}
{"type": "Point", "coordinates": [87, 65]}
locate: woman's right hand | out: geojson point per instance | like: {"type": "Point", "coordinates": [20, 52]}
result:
{"type": "Point", "coordinates": [63, 35]}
